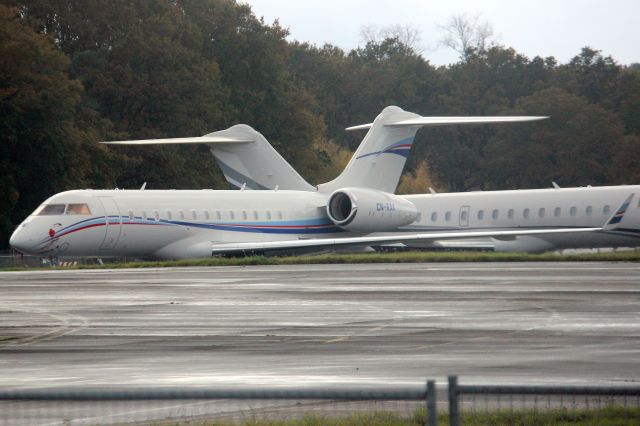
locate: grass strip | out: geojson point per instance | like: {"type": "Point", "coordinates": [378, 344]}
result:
{"type": "Point", "coordinates": [339, 258]}
{"type": "Point", "coordinates": [607, 416]}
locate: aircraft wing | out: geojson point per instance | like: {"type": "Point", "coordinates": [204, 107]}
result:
{"type": "Point", "coordinates": [321, 243]}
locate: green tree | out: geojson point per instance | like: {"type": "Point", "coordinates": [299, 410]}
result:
{"type": "Point", "coordinates": [147, 76]}
{"type": "Point", "coordinates": [574, 147]}
{"type": "Point", "coordinates": [261, 90]}
{"type": "Point", "coordinates": [625, 164]}
{"type": "Point", "coordinates": [629, 99]}
{"type": "Point", "coordinates": [42, 147]}
{"type": "Point", "coordinates": [593, 76]}
{"type": "Point", "coordinates": [487, 82]}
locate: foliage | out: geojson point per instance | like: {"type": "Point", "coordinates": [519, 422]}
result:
{"type": "Point", "coordinates": [574, 147]}
{"type": "Point", "coordinates": [75, 72]}
{"type": "Point", "coordinates": [43, 148]}
{"type": "Point", "coordinates": [416, 182]}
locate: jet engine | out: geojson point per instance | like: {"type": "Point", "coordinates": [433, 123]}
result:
{"type": "Point", "coordinates": [368, 210]}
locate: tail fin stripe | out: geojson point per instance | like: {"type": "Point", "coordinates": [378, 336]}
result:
{"type": "Point", "coordinates": [619, 214]}
{"type": "Point", "coordinates": [401, 148]}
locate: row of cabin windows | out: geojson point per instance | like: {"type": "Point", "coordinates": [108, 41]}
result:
{"type": "Point", "coordinates": [207, 215]}
{"type": "Point", "coordinates": [526, 213]}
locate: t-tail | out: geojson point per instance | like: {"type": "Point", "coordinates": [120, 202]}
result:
{"type": "Point", "coordinates": [245, 157]}
{"type": "Point", "coordinates": [379, 160]}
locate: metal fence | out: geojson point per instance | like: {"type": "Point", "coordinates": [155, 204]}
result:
{"type": "Point", "coordinates": [515, 404]}
{"type": "Point", "coordinates": [467, 404]}
{"type": "Point", "coordinates": [231, 406]}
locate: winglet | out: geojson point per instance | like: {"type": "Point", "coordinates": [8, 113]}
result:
{"type": "Point", "coordinates": [619, 214]}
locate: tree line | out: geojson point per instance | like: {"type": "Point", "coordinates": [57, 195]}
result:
{"type": "Point", "coordinates": [75, 72]}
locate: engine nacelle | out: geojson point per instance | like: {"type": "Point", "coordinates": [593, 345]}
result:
{"type": "Point", "coordinates": [368, 210]}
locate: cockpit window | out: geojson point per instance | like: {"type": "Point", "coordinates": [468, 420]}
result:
{"type": "Point", "coordinates": [49, 210]}
{"type": "Point", "coordinates": [78, 209]}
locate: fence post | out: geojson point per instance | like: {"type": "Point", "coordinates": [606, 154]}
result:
{"type": "Point", "coordinates": [432, 413]}
{"type": "Point", "coordinates": [454, 413]}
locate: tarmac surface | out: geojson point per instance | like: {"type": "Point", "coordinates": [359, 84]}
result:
{"type": "Point", "coordinates": [322, 325]}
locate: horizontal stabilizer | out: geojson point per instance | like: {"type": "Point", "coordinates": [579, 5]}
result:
{"type": "Point", "coordinates": [440, 121]}
{"type": "Point", "coordinates": [199, 139]}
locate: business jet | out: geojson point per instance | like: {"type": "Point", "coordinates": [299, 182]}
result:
{"type": "Point", "coordinates": [276, 210]}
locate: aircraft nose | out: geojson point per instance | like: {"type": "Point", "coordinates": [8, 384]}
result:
{"type": "Point", "coordinates": [20, 240]}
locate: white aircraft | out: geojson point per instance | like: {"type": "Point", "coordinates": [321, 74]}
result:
{"type": "Point", "coordinates": [357, 209]}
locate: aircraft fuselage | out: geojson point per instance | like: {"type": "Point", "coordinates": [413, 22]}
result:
{"type": "Point", "coordinates": [187, 223]}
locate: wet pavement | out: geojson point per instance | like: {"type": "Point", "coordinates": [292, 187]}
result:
{"type": "Point", "coordinates": [316, 325]}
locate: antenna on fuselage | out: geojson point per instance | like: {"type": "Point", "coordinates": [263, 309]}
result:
{"type": "Point", "coordinates": [555, 185]}
{"type": "Point", "coordinates": [144, 185]}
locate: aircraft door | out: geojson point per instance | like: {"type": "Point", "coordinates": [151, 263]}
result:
{"type": "Point", "coordinates": [464, 216]}
{"type": "Point", "coordinates": [113, 223]}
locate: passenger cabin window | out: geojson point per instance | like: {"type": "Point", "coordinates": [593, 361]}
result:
{"type": "Point", "coordinates": [279, 215]}
{"type": "Point", "coordinates": [169, 214]}
{"type": "Point", "coordinates": [434, 216]}
{"type": "Point", "coordinates": [557, 211]}
{"type": "Point", "coordinates": [78, 209]}
{"type": "Point", "coordinates": [510, 213]}
{"type": "Point", "coordinates": [194, 215]}
{"type": "Point", "coordinates": [144, 215]}
{"type": "Point", "coordinates": [525, 213]}
{"type": "Point", "coordinates": [255, 215]}
{"type": "Point", "coordinates": [447, 216]}
{"type": "Point", "coordinates": [181, 215]}
{"type": "Point", "coordinates": [156, 215]}
{"type": "Point", "coordinates": [589, 210]}
{"type": "Point", "coordinates": [268, 215]}
{"type": "Point", "coordinates": [541, 212]}
{"type": "Point", "coordinates": [218, 215]}
{"type": "Point", "coordinates": [206, 215]}
{"type": "Point", "coordinates": [463, 216]}
{"type": "Point", "coordinates": [480, 214]}
{"type": "Point", "coordinates": [232, 215]}
{"type": "Point", "coordinates": [606, 210]}
{"type": "Point", "coordinates": [244, 214]}
{"type": "Point", "coordinates": [130, 215]}
{"type": "Point", "coordinates": [494, 214]}
{"type": "Point", "coordinates": [49, 210]}
{"type": "Point", "coordinates": [573, 211]}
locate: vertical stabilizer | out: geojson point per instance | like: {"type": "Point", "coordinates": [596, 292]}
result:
{"type": "Point", "coordinates": [379, 160]}
{"type": "Point", "coordinates": [255, 165]}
